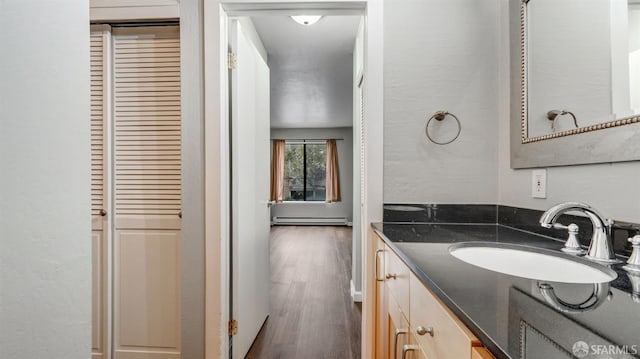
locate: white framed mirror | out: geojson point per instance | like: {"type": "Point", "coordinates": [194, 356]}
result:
{"type": "Point", "coordinates": [578, 93]}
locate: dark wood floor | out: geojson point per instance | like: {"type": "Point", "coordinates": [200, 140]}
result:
{"type": "Point", "coordinates": [312, 314]}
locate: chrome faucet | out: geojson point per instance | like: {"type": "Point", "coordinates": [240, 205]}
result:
{"type": "Point", "coordinates": [601, 246]}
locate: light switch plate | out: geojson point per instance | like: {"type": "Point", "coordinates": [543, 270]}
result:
{"type": "Point", "coordinates": [539, 183]}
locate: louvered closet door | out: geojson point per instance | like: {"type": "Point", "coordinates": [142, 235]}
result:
{"type": "Point", "coordinates": [98, 193]}
{"type": "Point", "coordinates": [147, 182]}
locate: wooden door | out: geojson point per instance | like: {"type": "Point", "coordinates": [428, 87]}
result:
{"type": "Point", "coordinates": [147, 193]}
{"type": "Point", "coordinates": [98, 194]}
{"type": "Point", "coordinates": [250, 190]}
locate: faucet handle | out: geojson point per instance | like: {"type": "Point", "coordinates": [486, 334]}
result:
{"type": "Point", "coordinates": [560, 226]}
{"type": "Point", "coordinates": [572, 245]}
{"type": "Point", "coordinates": [633, 264]}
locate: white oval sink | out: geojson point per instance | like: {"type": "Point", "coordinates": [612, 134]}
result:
{"type": "Point", "coordinates": [532, 263]}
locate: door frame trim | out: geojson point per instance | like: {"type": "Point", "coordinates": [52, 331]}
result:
{"type": "Point", "coordinates": [216, 163]}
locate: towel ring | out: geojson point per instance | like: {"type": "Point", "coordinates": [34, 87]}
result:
{"type": "Point", "coordinates": [439, 116]}
{"type": "Point", "coordinates": [553, 115]}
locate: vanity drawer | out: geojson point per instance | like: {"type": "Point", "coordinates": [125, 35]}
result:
{"type": "Point", "coordinates": [397, 279]}
{"type": "Point", "coordinates": [451, 339]}
{"type": "Point", "coordinates": [481, 353]}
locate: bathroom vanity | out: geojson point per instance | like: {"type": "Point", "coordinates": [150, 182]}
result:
{"type": "Point", "coordinates": [430, 304]}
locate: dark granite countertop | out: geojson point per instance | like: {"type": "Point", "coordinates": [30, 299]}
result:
{"type": "Point", "coordinates": [509, 314]}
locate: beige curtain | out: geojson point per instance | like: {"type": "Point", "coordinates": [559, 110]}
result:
{"type": "Point", "coordinates": [277, 171]}
{"type": "Point", "coordinates": [333, 174]}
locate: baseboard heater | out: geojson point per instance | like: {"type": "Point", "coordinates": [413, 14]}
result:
{"type": "Point", "coordinates": [310, 221]}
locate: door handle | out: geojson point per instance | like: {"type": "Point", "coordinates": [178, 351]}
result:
{"type": "Point", "coordinates": [378, 251]}
{"type": "Point", "coordinates": [396, 334]}
{"type": "Point", "coordinates": [408, 348]}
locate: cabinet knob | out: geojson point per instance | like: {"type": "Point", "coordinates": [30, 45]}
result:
{"type": "Point", "coordinates": [390, 276]}
{"type": "Point", "coordinates": [424, 330]}
{"type": "Point", "coordinates": [180, 214]}
{"type": "Point", "coordinates": [103, 213]}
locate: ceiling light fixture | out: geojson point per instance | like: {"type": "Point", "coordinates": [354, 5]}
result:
{"type": "Point", "coordinates": [306, 20]}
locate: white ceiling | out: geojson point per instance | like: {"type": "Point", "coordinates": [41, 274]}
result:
{"type": "Point", "coordinates": [311, 70]}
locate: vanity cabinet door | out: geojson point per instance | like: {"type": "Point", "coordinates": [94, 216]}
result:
{"type": "Point", "coordinates": [398, 331]}
{"type": "Point", "coordinates": [380, 334]}
{"type": "Point", "coordinates": [451, 339]}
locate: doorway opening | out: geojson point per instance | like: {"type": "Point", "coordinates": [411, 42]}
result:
{"type": "Point", "coordinates": [294, 258]}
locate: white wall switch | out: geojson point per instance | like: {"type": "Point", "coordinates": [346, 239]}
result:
{"type": "Point", "coordinates": [539, 183]}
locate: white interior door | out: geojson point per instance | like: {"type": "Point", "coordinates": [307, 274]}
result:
{"type": "Point", "coordinates": [250, 164]}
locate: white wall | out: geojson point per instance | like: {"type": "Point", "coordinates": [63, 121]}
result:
{"type": "Point", "coordinates": [610, 187]}
{"type": "Point", "coordinates": [466, 71]}
{"type": "Point", "coordinates": [440, 55]}
{"type": "Point", "coordinates": [345, 161]}
{"type": "Point", "coordinates": [45, 222]}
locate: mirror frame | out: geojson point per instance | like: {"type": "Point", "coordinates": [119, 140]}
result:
{"type": "Point", "coordinates": [613, 141]}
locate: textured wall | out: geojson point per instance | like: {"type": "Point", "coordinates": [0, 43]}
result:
{"type": "Point", "coordinates": [304, 96]}
{"type": "Point", "coordinates": [310, 69]}
{"type": "Point", "coordinates": [45, 223]}
{"type": "Point", "coordinates": [440, 55]}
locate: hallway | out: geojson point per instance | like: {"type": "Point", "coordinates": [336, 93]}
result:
{"type": "Point", "coordinates": [312, 314]}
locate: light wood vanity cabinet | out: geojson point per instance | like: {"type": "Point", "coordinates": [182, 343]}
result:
{"type": "Point", "coordinates": [446, 336]}
{"type": "Point", "coordinates": [381, 337]}
{"type": "Point", "coordinates": [409, 316]}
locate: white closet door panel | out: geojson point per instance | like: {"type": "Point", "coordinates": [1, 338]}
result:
{"type": "Point", "coordinates": [147, 193]}
{"type": "Point", "coordinates": [98, 118]}
{"type": "Point", "coordinates": [149, 221]}
{"type": "Point", "coordinates": [147, 126]}
{"type": "Point", "coordinates": [134, 354]}
{"type": "Point", "coordinates": [98, 287]}
{"type": "Point", "coordinates": [98, 126]}
{"type": "Point", "coordinates": [147, 273]}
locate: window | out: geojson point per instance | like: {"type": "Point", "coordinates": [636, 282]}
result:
{"type": "Point", "coordinates": [304, 171]}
